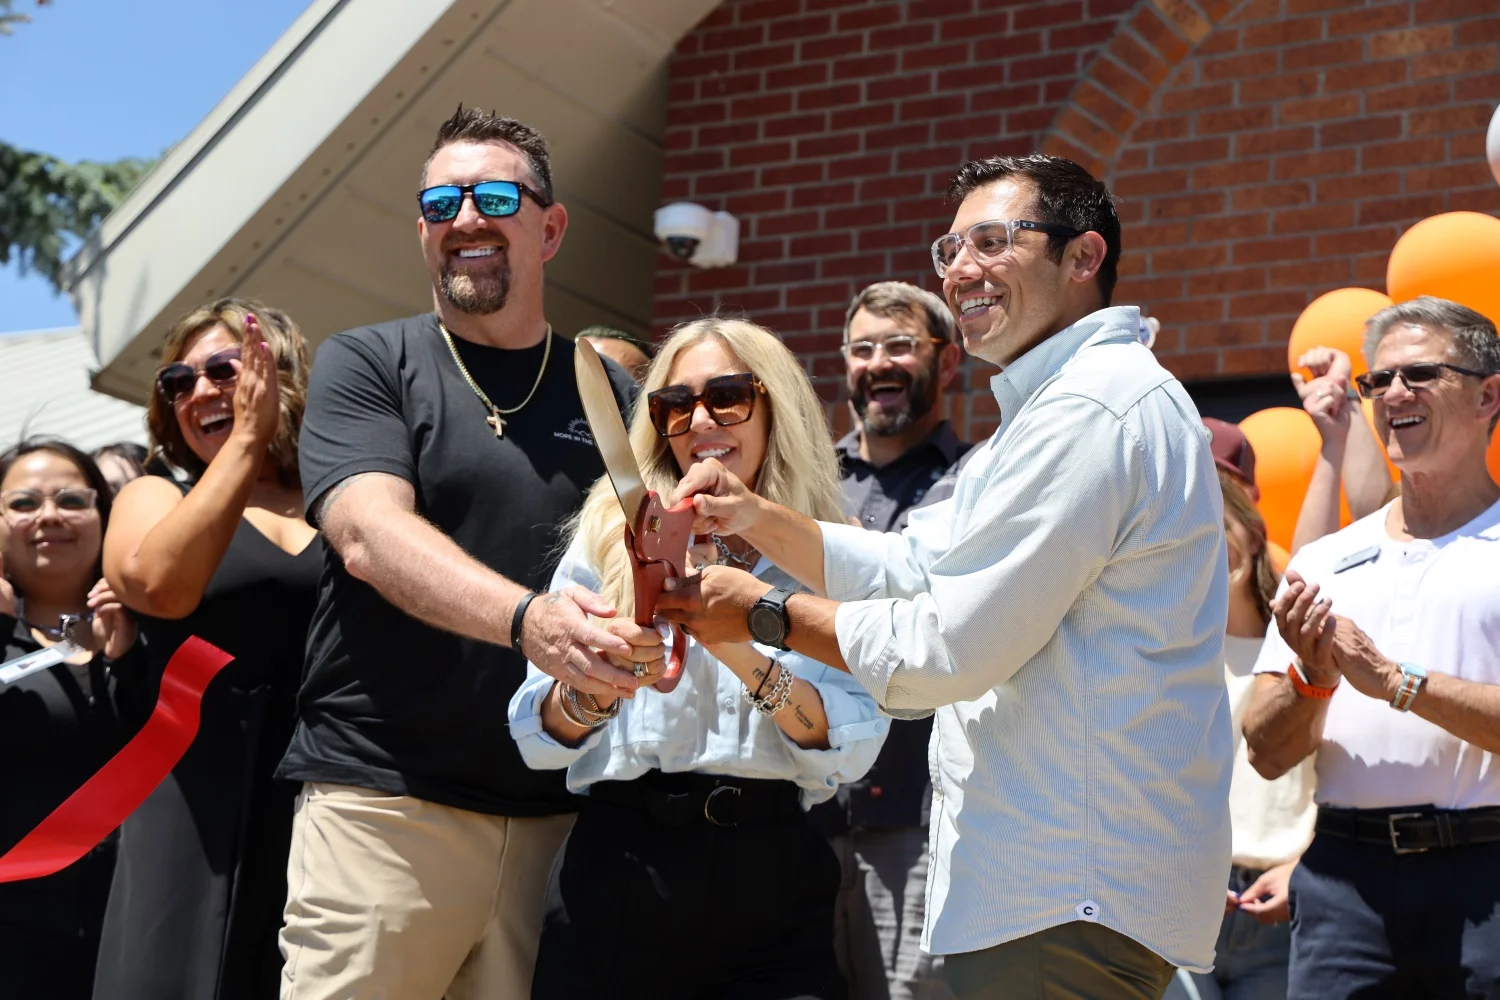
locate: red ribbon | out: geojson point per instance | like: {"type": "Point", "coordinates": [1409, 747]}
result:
{"type": "Point", "coordinates": [119, 787]}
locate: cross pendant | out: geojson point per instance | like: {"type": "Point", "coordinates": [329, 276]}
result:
{"type": "Point", "coordinates": [496, 421]}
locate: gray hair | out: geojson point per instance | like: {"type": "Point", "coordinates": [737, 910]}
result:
{"type": "Point", "coordinates": [1474, 342]}
{"type": "Point", "coordinates": [888, 298]}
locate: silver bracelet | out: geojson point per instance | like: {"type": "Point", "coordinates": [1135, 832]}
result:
{"type": "Point", "coordinates": [577, 714]}
{"type": "Point", "coordinates": [780, 693]}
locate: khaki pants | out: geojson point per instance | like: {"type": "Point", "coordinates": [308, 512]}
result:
{"type": "Point", "coordinates": [393, 898]}
{"type": "Point", "coordinates": [1078, 960]}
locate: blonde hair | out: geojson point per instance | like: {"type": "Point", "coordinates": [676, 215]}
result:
{"type": "Point", "coordinates": [289, 350]}
{"type": "Point", "coordinates": [800, 469]}
{"type": "Point", "coordinates": [1256, 565]}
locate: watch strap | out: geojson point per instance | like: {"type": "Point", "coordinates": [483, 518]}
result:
{"type": "Point", "coordinates": [1302, 686]}
{"type": "Point", "coordinates": [1412, 678]}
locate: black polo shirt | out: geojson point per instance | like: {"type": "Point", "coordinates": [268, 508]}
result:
{"type": "Point", "coordinates": [897, 791]}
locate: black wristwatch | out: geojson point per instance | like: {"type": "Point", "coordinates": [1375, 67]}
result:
{"type": "Point", "coordinates": [767, 619]}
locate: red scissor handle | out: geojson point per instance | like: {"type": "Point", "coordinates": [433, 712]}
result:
{"type": "Point", "coordinates": [658, 544]}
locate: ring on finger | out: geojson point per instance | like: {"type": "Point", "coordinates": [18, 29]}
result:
{"type": "Point", "coordinates": [639, 670]}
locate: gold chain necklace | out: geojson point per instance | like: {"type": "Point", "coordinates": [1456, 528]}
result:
{"type": "Point", "coordinates": [497, 416]}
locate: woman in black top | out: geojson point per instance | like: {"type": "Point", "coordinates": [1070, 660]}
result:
{"type": "Point", "coordinates": [201, 879]}
{"type": "Point", "coordinates": [59, 725]}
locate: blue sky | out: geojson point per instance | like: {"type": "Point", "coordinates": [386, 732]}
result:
{"type": "Point", "coordinates": [105, 79]}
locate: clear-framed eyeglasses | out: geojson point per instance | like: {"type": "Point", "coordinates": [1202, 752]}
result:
{"type": "Point", "coordinates": [902, 345]}
{"type": "Point", "coordinates": [989, 242]}
{"type": "Point", "coordinates": [25, 505]}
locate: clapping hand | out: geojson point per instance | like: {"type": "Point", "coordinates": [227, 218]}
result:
{"type": "Point", "coordinates": [112, 629]}
{"type": "Point", "coordinates": [257, 393]}
{"type": "Point", "coordinates": [1302, 619]}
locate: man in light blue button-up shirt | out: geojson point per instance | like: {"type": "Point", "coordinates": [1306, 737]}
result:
{"type": "Point", "coordinates": [1063, 613]}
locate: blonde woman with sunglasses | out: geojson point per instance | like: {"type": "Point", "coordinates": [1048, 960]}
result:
{"type": "Point", "coordinates": [693, 839]}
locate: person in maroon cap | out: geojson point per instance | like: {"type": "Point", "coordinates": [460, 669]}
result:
{"type": "Point", "coordinates": [1233, 453]}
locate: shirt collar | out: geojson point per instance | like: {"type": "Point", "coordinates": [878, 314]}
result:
{"type": "Point", "coordinates": [1025, 375]}
{"type": "Point", "coordinates": [942, 438]}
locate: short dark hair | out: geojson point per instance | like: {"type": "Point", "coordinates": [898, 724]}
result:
{"type": "Point", "coordinates": [899, 298]}
{"type": "Point", "coordinates": [1066, 195]}
{"type": "Point", "coordinates": [86, 467]}
{"type": "Point", "coordinates": [473, 125]}
{"type": "Point", "coordinates": [602, 332]}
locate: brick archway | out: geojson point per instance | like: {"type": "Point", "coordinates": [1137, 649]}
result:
{"type": "Point", "coordinates": [1119, 86]}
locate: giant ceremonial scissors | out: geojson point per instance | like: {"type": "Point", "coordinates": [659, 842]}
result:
{"type": "Point", "coordinates": [656, 536]}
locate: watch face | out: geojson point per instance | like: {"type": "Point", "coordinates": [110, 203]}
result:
{"type": "Point", "coordinates": [765, 625]}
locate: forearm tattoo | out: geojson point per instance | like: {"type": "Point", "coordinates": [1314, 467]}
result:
{"type": "Point", "coordinates": [802, 718]}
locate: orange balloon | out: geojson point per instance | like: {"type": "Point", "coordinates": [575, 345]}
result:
{"type": "Point", "coordinates": [1454, 256]}
{"type": "Point", "coordinates": [1335, 319]}
{"type": "Point", "coordinates": [1494, 458]}
{"type": "Point", "coordinates": [1286, 451]}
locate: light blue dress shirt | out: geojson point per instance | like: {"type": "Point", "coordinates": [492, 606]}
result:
{"type": "Point", "coordinates": [706, 724]}
{"type": "Point", "coordinates": [1064, 614]}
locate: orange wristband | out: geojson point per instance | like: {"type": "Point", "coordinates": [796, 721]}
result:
{"type": "Point", "coordinates": [1302, 687]}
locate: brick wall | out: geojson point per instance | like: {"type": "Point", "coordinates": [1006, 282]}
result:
{"type": "Point", "coordinates": [1265, 151]}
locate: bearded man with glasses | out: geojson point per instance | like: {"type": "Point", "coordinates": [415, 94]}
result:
{"type": "Point", "coordinates": [1399, 894]}
{"type": "Point", "coordinates": [439, 454]}
{"type": "Point", "coordinates": [1063, 613]}
{"type": "Point", "coordinates": [901, 355]}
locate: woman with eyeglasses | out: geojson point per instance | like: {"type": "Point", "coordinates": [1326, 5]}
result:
{"type": "Point", "coordinates": [201, 879]}
{"type": "Point", "coordinates": [693, 870]}
{"type": "Point", "coordinates": [61, 724]}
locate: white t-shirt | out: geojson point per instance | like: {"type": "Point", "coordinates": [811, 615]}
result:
{"type": "Point", "coordinates": [1272, 820]}
{"type": "Point", "coordinates": [1434, 602]}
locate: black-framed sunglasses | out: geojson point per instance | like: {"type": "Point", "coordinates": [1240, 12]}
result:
{"type": "Point", "coordinates": [989, 241]}
{"type": "Point", "coordinates": [176, 380]}
{"type": "Point", "coordinates": [1373, 384]}
{"type": "Point", "coordinates": [729, 399]}
{"type": "Point", "coordinates": [494, 199]}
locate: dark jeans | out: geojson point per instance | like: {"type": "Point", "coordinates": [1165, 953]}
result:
{"type": "Point", "coordinates": [1079, 960]}
{"type": "Point", "coordinates": [637, 907]}
{"type": "Point", "coordinates": [1368, 923]}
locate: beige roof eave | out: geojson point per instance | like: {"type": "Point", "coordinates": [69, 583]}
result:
{"type": "Point", "coordinates": [299, 187]}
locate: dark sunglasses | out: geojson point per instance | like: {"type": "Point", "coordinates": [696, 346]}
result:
{"type": "Point", "coordinates": [1372, 385]}
{"type": "Point", "coordinates": [494, 199]}
{"type": "Point", "coordinates": [176, 380]}
{"type": "Point", "coordinates": [729, 399]}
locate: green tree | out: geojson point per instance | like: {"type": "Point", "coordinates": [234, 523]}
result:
{"type": "Point", "coordinates": [48, 205]}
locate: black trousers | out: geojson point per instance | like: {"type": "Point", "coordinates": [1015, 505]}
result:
{"type": "Point", "coordinates": [649, 898]}
{"type": "Point", "coordinates": [1368, 923]}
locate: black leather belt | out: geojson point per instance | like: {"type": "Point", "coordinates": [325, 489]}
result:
{"type": "Point", "coordinates": [1412, 830]}
{"type": "Point", "coordinates": [686, 799]}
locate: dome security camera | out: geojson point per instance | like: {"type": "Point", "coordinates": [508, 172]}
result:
{"type": "Point", "coordinates": [698, 236]}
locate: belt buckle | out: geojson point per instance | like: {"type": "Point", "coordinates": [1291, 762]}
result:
{"type": "Point", "coordinates": [708, 812]}
{"type": "Point", "coordinates": [1390, 824]}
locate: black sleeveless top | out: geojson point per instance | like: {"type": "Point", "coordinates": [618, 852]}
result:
{"type": "Point", "coordinates": [200, 882]}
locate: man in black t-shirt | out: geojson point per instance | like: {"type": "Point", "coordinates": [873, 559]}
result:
{"type": "Point", "coordinates": [901, 351]}
{"type": "Point", "coordinates": [439, 455]}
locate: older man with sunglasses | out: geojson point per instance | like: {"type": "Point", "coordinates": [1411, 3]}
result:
{"type": "Point", "coordinates": [438, 455]}
{"type": "Point", "coordinates": [1063, 613]}
{"type": "Point", "coordinates": [1382, 658]}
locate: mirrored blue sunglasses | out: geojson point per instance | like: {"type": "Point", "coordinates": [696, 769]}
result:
{"type": "Point", "coordinates": [494, 199]}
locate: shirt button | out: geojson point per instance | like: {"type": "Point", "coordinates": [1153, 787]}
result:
{"type": "Point", "coordinates": [870, 518]}
{"type": "Point", "coordinates": [729, 703]}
